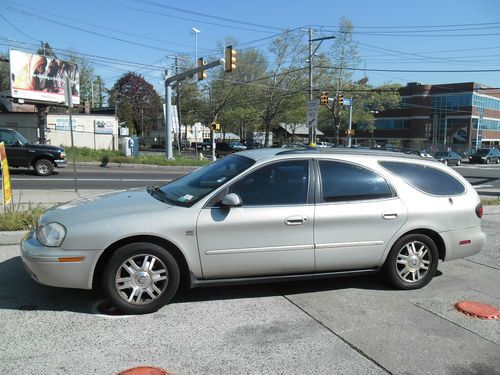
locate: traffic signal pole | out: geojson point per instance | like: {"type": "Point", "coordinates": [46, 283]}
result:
{"type": "Point", "coordinates": [169, 81]}
{"type": "Point", "coordinates": [349, 139]}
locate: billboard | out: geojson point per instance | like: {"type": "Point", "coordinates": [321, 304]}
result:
{"type": "Point", "coordinates": [40, 79]}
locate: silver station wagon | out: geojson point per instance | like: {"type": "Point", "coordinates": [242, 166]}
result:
{"type": "Point", "coordinates": [258, 216]}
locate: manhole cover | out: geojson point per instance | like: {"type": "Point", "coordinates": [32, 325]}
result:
{"type": "Point", "coordinates": [145, 371]}
{"type": "Point", "coordinates": [478, 310]}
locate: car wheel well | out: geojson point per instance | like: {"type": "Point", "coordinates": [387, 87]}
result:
{"type": "Point", "coordinates": [46, 157]}
{"type": "Point", "coordinates": [167, 245]}
{"type": "Point", "coordinates": [435, 237]}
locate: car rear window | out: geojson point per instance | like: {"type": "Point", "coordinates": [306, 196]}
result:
{"type": "Point", "coordinates": [425, 178]}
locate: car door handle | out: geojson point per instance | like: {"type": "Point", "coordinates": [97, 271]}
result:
{"type": "Point", "coordinates": [295, 220]}
{"type": "Point", "coordinates": [389, 215]}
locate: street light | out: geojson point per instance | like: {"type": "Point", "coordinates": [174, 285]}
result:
{"type": "Point", "coordinates": [195, 31]}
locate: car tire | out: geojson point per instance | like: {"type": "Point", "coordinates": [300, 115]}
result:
{"type": "Point", "coordinates": [498, 161]}
{"type": "Point", "coordinates": [217, 154]}
{"type": "Point", "coordinates": [487, 161]}
{"type": "Point", "coordinates": [140, 278]}
{"type": "Point", "coordinates": [459, 162]}
{"type": "Point", "coordinates": [445, 162]}
{"type": "Point", "coordinates": [412, 262]}
{"type": "Point", "coordinates": [43, 167]}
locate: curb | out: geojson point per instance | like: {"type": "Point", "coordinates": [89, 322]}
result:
{"type": "Point", "coordinates": [12, 238]}
{"type": "Point", "coordinates": [128, 165]}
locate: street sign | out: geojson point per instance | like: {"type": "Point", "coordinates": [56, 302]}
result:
{"type": "Point", "coordinates": [346, 101]}
{"type": "Point", "coordinates": [312, 113]}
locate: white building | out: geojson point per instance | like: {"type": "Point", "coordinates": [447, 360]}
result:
{"type": "Point", "coordinates": [89, 130]}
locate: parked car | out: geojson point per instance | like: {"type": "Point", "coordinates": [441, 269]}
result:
{"type": "Point", "coordinates": [448, 157]}
{"type": "Point", "coordinates": [261, 215]}
{"type": "Point", "coordinates": [485, 156]}
{"type": "Point", "coordinates": [23, 154]}
{"type": "Point", "coordinates": [237, 146]}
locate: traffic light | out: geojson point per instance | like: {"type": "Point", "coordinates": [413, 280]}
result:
{"type": "Point", "coordinates": [202, 74]}
{"type": "Point", "coordinates": [215, 127]}
{"type": "Point", "coordinates": [323, 99]}
{"type": "Point", "coordinates": [230, 59]}
{"type": "Point", "coordinates": [340, 100]}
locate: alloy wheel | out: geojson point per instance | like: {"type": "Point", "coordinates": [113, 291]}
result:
{"type": "Point", "coordinates": [141, 279]}
{"type": "Point", "coordinates": [413, 261]}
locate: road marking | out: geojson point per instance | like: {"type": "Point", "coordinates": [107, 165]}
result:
{"type": "Point", "coordinates": [482, 186]}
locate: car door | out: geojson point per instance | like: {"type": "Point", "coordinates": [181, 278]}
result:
{"type": "Point", "coordinates": [357, 214]}
{"type": "Point", "coordinates": [16, 152]}
{"type": "Point", "coordinates": [271, 233]}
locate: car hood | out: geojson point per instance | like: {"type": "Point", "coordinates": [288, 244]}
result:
{"type": "Point", "coordinates": [98, 207]}
{"type": "Point", "coordinates": [44, 147]}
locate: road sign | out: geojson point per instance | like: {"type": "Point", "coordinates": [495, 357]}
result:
{"type": "Point", "coordinates": [312, 113]}
{"type": "Point", "coordinates": [346, 101]}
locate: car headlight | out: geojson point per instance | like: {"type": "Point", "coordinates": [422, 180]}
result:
{"type": "Point", "coordinates": [63, 155]}
{"type": "Point", "coordinates": [51, 234]}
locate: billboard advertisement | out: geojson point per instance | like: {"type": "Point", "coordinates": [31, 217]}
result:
{"type": "Point", "coordinates": [40, 79]}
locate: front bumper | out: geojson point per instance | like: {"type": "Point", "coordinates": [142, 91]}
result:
{"type": "Point", "coordinates": [45, 267]}
{"type": "Point", "coordinates": [61, 163]}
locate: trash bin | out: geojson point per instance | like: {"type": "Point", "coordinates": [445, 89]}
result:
{"type": "Point", "coordinates": [135, 146]}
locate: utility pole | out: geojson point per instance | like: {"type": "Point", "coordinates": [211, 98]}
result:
{"type": "Point", "coordinates": [312, 129]}
{"type": "Point", "coordinates": [178, 104]}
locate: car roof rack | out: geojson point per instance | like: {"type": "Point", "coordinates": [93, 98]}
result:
{"type": "Point", "coordinates": [354, 150]}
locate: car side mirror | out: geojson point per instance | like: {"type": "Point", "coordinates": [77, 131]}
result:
{"type": "Point", "coordinates": [231, 200]}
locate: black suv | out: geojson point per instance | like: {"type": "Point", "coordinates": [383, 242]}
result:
{"type": "Point", "coordinates": [21, 153]}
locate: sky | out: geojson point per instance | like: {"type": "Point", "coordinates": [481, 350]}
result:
{"type": "Point", "coordinates": [459, 41]}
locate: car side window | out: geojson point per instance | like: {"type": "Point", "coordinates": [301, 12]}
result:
{"type": "Point", "coordinates": [341, 181]}
{"type": "Point", "coordinates": [425, 178]}
{"type": "Point", "coordinates": [281, 183]}
{"type": "Point", "coordinates": [8, 138]}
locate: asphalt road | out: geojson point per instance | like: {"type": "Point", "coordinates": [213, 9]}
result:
{"type": "Point", "coordinates": [485, 178]}
{"type": "Point", "coordinates": [338, 326]}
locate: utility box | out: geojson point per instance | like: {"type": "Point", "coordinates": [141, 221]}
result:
{"type": "Point", "coordinates": [126, 143]}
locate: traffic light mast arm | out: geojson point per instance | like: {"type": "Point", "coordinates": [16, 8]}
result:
{"type": "Point", "coordinates": [192, 72]}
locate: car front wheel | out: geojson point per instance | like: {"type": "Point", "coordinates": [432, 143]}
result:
{"type": "Point", "coordinates": [412, 262]}
{"type": "Point", "coordinates": [459, 162]}
{"type": "Point", "coordinates": [140, 278]}
{"type": "Point", "coordinates": [43, 167]}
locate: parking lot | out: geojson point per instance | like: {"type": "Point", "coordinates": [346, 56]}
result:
{"type": "Point", "coordinates": [344, 326]}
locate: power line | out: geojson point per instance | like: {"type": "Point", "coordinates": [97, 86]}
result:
{"type": "Point", "coordinates": [160, 5]}
{"type": "Point", "coordinates": [413, 71]}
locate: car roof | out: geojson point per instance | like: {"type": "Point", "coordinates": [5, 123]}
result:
{"type": "Point", "coordinates": [263, 153]}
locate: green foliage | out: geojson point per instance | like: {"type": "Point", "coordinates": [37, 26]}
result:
{"type": "Point", "coordinates": [4, 73]}
{"type": "Point", "coordinates": [20, 219]}
{"type": "Point", "coordinates": [85, 154]}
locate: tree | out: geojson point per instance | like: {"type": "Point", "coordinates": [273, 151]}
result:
{"type": "Point", "coordinates": [87, 77]}
{"type": "Point", "coordinates": [4, 72]}
{"type": "Point", "coordinates": [284, 79]}
{"type": "Point", "coordinates": [138, 103]}
{"type": "Point", "coordinates": [46, 50]}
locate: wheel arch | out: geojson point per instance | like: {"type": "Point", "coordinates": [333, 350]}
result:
{"type": "Point", "coordinates": [167, 245]}
{"type": "Point", "coordinates": [44, 156]}
{"type": "Point", "coordinates": [434, 236]}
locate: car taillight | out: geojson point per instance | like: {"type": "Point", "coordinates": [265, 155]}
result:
{"type": "Point", "coordinates": [479, 210]}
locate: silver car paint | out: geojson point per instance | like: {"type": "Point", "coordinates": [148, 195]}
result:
{"type": "Point", "coordinates": [255, 242]}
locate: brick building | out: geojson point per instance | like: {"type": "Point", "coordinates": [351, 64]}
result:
{"type": "Point", "coordinates": [437, 117]}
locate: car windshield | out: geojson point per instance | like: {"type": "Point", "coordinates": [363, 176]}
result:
{"type": "Point", "coordinates": [190, 188]}
{"type": "Point", "coordinates": [482, 152]}
{"type": "Point", "coordinates": [441, 154]}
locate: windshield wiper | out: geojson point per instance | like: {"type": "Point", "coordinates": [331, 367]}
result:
{"type": "Point", "coordinates": [155, 190]}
